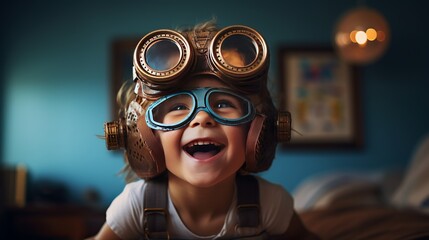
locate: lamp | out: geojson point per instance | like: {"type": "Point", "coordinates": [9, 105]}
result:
{"type": "Point", "coordinates": [361, 35]}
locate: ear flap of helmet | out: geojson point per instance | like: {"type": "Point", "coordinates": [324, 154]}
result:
{"type": "Point", "coordinates": [144, 152]}
{"type": "Point", "coordinates": [262, 140]}
{"type": "Point", "coordinates": [253, 145]}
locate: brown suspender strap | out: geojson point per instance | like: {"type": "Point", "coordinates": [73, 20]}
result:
{"type": "Point", "coordinates": [247, 201]}
{"type": "Point", "coordinates": [156, 205]}
{"type": "Point", "coordinates": [156, 208]}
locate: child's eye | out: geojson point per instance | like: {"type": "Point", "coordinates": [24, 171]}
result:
{"type": "Point", "coordinates": [178, 107]}
{"type": "Point", "coordinates": [224, 104]}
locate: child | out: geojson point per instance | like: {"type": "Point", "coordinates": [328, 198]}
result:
{"type": "Point", "coordinates": [199, 121]}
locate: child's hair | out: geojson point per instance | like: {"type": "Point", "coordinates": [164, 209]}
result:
{"type": "Point", "coordinates": [259, 95]}
{"type": "Point", "coordinates": [124, 97]}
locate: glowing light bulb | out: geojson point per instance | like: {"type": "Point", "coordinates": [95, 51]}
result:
{"type": "Point", "coordinates": [368, 35]}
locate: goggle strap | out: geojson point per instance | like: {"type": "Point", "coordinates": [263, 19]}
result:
{"type": "Point", "coordinates": [201, 39]}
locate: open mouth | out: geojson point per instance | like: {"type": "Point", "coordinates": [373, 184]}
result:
{"type": "Point", "coordinates": [203, 150]}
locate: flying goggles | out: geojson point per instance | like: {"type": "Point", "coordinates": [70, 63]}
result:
{"type": "Point", "coordinates": [176, 110]}
{"type": "Point", "coordinates": [236, 54]}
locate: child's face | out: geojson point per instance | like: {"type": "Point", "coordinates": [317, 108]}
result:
{"type": "Point", "coordinates": [226, 146]}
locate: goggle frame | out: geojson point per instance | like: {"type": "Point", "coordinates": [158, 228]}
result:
{"type": "Point", "coordinates": [208, 42]}
{"type": "Point", "coordinates": [200, 98]}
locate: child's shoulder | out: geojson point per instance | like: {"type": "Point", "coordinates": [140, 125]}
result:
{"type": "Point", "coordinates": [135, 188]}
{"type": "Point", "coordinates": [266, 184]}
{"type": "Point", "coordinates": [269, 190]}
{"type": "Point", "coordinates": [276, 206]}
{"type": "Point", "coordinates": [136, 184]}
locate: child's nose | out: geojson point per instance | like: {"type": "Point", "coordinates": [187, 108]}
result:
{"type": "Point", "coordinates": [202, 118]}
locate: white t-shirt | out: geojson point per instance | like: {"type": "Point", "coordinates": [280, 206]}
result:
{"type": "Point", "coordinates": [125, 214]}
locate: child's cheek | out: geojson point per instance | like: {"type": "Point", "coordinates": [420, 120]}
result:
{"type": "Point", "coordinates": [168, 139]}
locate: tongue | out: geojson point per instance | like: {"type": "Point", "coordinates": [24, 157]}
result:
{"type": "Point", "coordinates": [204, 155]}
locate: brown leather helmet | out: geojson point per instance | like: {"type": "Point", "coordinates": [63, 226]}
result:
{"type": "Point", "coordinates": [165, 59]}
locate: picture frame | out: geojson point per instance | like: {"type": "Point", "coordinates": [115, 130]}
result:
{"type": "Point", "coordinates": [322, 94]}
{"type": "Point", "coordinates": [122, 51]}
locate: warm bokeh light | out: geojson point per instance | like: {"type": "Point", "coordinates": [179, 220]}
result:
{"type": "Point", "coordinates": [381, 36]}
{"type": "Point", "coordinates": [371, 34]}
{"type": "Point", "coordinates": [342, 39]}
{"type": "Point", "coordinates": [361, 35]}
{"type": "Point", "coordinates": [353, 36]}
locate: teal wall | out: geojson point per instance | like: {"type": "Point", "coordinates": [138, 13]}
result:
{"type": "Point", "coordinates": [55, 82]}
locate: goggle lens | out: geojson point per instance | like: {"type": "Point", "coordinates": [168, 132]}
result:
{"type": "Point", "coordinates": [238, 50]}
{"type": "Point", "coordinates": [228, 106]}
{"type": "Point", "coordinates": [162, 55]}
{"type": "Point", "coordinates": [173, 110]}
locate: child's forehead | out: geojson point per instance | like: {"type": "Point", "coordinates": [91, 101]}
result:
{"type": "Point", "coordinates": [204, 81]}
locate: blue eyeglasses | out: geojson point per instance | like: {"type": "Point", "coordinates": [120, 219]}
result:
{"type": "Point", "coordinates": [176, 110]}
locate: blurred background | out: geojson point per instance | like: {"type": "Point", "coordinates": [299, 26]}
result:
{"type": "Point", "coordinates": [56, 71]}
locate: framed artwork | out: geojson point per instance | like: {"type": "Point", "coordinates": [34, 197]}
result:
{"type": "Point", "coordinates": [321, 92]}
{"type": "Point", "coordinates": [122, 51]}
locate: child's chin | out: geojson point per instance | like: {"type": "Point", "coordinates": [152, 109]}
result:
{"type": "Point", "coordinates": [207, 180]}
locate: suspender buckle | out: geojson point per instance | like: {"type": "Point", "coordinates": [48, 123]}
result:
{"type": "Point", "coordinates": [155, 223]}
{"type": "Point", "coordinates": [249, 215]}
